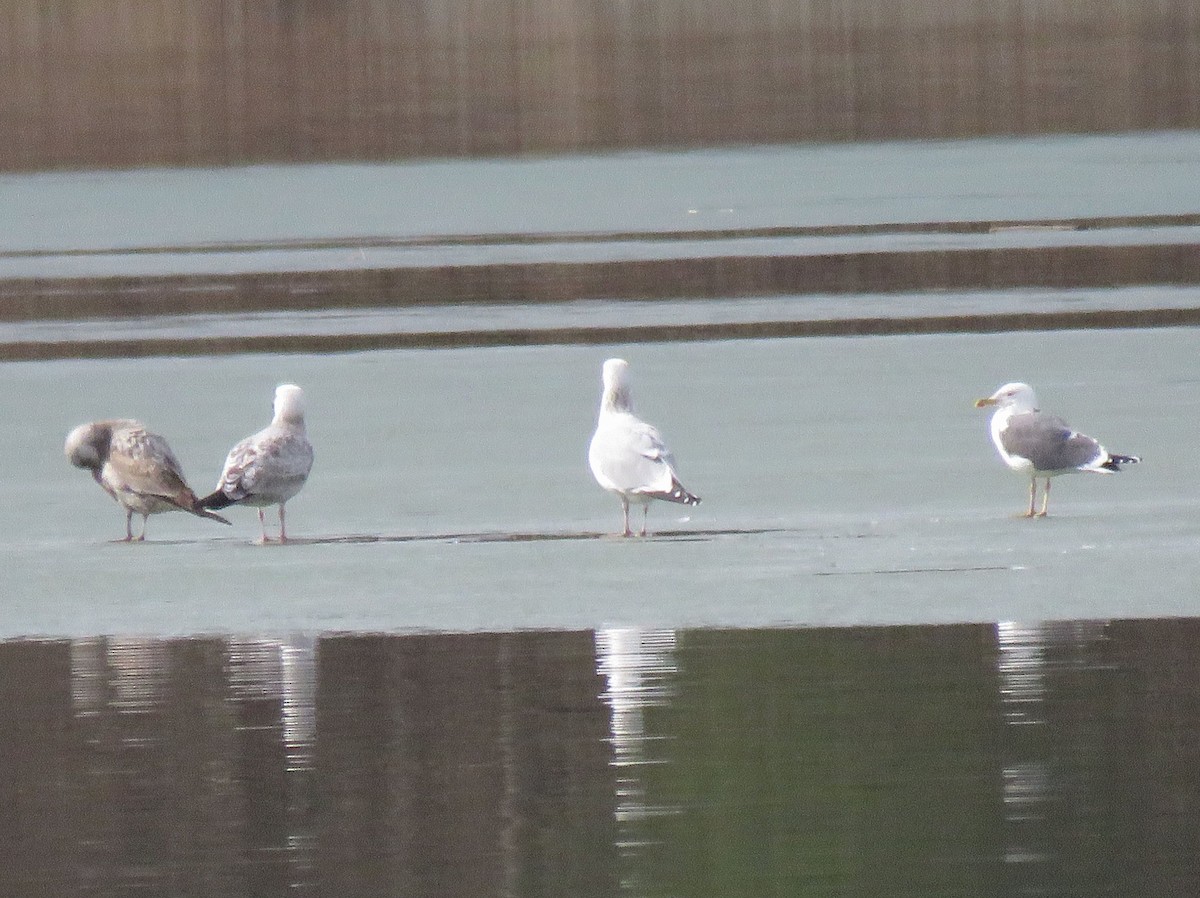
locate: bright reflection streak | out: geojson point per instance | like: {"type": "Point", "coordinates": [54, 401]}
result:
{"type": "Point", "coordinates": [125, 674]}
{"type": "Point", "coordinates": [285, 671]}
{"type": "Point", "coordinates": [639, 668]}
{"type": "Point", "coordinates": [1021, 666]}
{"type": "Point", "coordinates": [1031, 782]}
{"type": "Point", "coordinates": [132, 679]}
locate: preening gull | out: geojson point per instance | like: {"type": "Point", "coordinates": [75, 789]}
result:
{"type": "Point", "coordinates": [271, 466]}
{"type": "Point", "coordinates": [135, 467]}
{"type": "Point", "coordinates": [1043, 445]}
{"type": "Point", "coordinates": [628, 456]}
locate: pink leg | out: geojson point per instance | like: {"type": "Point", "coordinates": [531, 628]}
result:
{"type": "Point", "coordinates": [625, 516]}
{"type": "Point", "coordinates": [1045, 498]}
{"type": "Point", "coordinates": [128, 526]}
{"type": "Point", "coordinates": [282, 525]}
{"type": "Point", "coordinates": [645, 514]}
{"type": "Point", "coordinates": [262, 521]}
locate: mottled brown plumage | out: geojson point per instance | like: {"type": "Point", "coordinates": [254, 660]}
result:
{"type": "Point", "coordinates": [136, 467]}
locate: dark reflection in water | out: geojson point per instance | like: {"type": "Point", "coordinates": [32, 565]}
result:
{"type": "Point", "coordinates": [1041, 759]}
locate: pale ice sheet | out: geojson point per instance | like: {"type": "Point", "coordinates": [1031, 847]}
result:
{"type": "Point", "coordinates": [1019, 178]}
{"type": "Point", "coordinates": [846, 481]}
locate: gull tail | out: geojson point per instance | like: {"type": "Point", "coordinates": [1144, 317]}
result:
{"type": "Point", "coordinates": [678, 494]}
{"type": "Point", "coordinates": [202, 512]}
{"type": "Point", "coordinates": [215, 500]}
{"type": "Point", "coordinates": [1115, 461]}
{"type": "Point", "coordinates": [185, 500]}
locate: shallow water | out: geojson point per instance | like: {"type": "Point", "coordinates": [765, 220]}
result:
{"type": "Point", "coordinates": [1006, 759]}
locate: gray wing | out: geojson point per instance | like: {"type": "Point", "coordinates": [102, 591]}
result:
{"type": "Point", "coordinates": [632, 455]}
{"type": "Point", "coordinates": [266, 464]}
{"type": "Point", "coordinates": [1049, 442]}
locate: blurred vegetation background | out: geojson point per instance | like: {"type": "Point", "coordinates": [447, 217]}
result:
{"type": "Point", "coordinates": [122, 83]}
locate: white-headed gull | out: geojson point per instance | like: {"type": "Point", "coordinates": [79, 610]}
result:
{"type": "Point", "coordinates": [628, 456]}
{"type": "Point", "coordinates": [1038, 444]}
{"type": "Point", "coordinates": [271, 466]}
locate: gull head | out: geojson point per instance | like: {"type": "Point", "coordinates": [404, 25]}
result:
{"type": "Point", "coordinates": [87, 446]}
{"type": "Point", "coordinates": [1017, 396]}
{"type": "Point", "coordinates": [289, 404]}
{"type": "Point", "coordinates": [616, 385]}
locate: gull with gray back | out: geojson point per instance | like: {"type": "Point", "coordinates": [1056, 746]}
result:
{"type": "Point", "coordinates": [628, 456]}
{"type": "Point", "coordinates": [270, 467]}
{"type": "Point", "coordinates": [1038, 444]}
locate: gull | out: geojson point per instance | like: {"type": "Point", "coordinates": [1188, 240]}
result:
{"type": "Point", "coordinates": [1042, 445]}
{"type": "Point", "coordinates": [271, 466]}
{"type": "Point", "coordinates": [628, 456]}
{"type": "Point", "coordinates": [136, 467]}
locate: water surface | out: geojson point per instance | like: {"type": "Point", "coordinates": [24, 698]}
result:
{"type": "Point", "coordinates": [1012, 758]}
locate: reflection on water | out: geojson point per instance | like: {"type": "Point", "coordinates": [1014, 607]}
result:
{"type": "Point", "coordinates": [639, 668]}
{"type": "Point", "coordinates": [1021, 668]}
{"type": "Point", "coordinates": [1064, 759]}
{"type": "Point", "coordinates": [1051, 759]}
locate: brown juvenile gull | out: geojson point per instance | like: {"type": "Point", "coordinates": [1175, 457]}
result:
{"type": "Point", "coordinates": [628, 456]}
{"type": "Point", "coordinates": [271, 466]}
{"type": "Point", "coordinates": [135, 467]}
{"type": "Point", "coordinates": [1042, 445]}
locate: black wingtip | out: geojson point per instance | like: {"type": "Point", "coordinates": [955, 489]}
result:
{"type": "Point", "coordinates": [678, 494]}
{"type": "Point", "coordinates": [1115, 461]}
{"type": "Point", "coordinates": [215, 500]}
